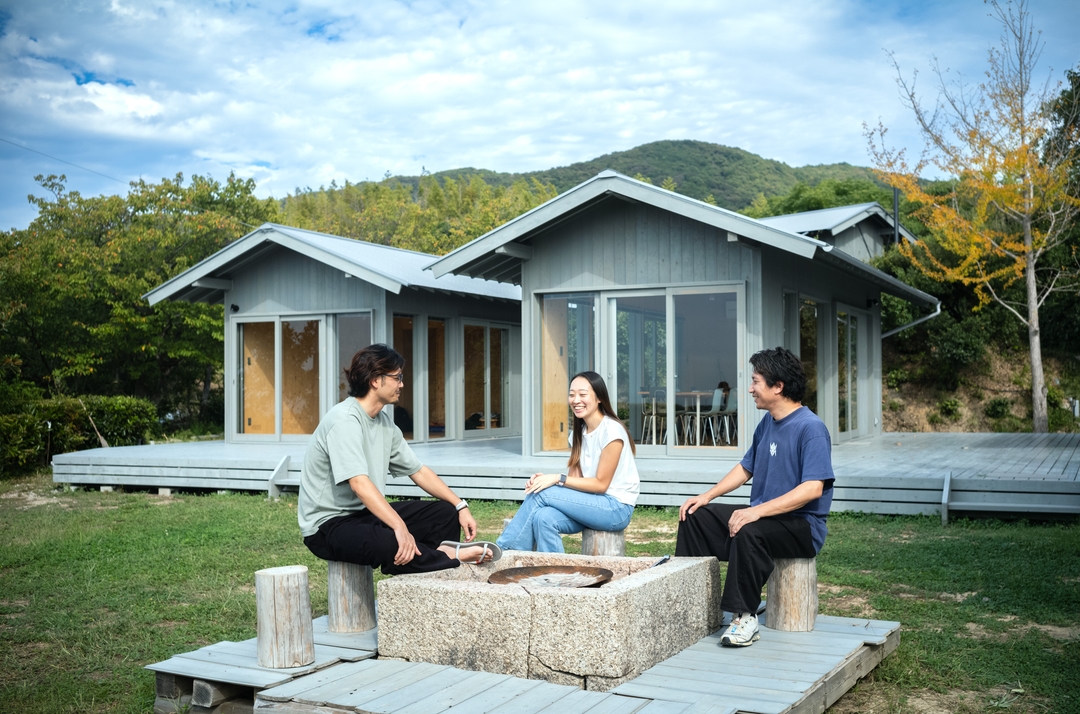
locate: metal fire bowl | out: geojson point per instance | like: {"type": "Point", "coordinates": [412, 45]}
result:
{"type": "Point", "coordinates": [552, 576]}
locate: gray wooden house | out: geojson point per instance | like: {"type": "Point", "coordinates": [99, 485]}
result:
{"type": "Point", "coordinates": [862, 230]}
{"type": "Point", "coordinates": [667, 297]}
{"type": "Point", "coordinates": [299, 304]}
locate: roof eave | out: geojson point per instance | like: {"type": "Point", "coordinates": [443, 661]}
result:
{"type": "Point", "coordinates": [466, 258]}
{"type": "Point", "coordinates": [897, 288]}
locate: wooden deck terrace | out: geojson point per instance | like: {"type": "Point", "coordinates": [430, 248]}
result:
{"type": "Point", "coordinates": [896, 473]}
{"type": "Point", "coordinates": [783, 673]}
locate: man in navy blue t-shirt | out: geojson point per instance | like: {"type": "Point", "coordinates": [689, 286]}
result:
{"type": "Point", "coordinates": [790, 462]}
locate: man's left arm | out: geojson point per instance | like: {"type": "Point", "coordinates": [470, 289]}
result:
{"type": "Point", "coordinates": [430, 482]}
{"type": "Point", "coordinates": [793, 500]}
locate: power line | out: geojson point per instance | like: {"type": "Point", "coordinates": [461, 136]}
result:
{"type": "Point", "coordinates": [27, 148]}
{"type": "Point", "coordinates": [6, 141]}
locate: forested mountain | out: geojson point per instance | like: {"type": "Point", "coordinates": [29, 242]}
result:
{"type": "Point", "coordinates": [732, 176]}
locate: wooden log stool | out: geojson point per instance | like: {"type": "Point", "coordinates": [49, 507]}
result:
{"type": "Point", "coordinates": [791, 604]}
{"type": "Point", "coordinates": [350, 595]}
{"type": "Point", "coordinates": [285, 636]}
{"type": "Point", "coordinates": [603, 542]}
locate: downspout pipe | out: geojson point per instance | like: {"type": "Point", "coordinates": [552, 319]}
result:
{"type": "Point", "coordinates": [931, 316]}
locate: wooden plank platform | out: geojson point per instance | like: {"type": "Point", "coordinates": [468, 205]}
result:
{"type": "Point", "coordinates": [236, 663]}
{"type": "Point", "coordinates": [899, 473]}
{"type": "Point", "coordinates": [783, 673]}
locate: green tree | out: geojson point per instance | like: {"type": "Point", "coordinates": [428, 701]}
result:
{"type": "Point", "coordinates": [436, 217]}
{"type": "Point", "coordinates": [828, 193]}
{"type": "Point", "coordinates": [1012, 202]}
{"type": "Point", "coordinates": [71, 284]}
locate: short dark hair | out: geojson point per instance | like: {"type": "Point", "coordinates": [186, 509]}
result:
{"type": "Point", "coordinates": [780, 365]}
{"type": "Point", "coordinates": [367, 364]}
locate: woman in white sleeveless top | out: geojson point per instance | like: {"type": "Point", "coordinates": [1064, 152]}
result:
{"type": "Point", "coordinates": [599, 488]}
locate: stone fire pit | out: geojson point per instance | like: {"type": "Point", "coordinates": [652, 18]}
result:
{"type": "Point", "coordinates": [594, 638]}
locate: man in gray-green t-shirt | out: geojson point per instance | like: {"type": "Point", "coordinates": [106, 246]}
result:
{"type": "Point", "coordinates": [342, 512]}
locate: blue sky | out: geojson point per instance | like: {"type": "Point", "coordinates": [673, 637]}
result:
{"type": "Point", "coordinates": [296, 94]}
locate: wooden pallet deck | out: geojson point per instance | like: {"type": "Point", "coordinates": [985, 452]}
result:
{"type": "Point", "coordinates": [894, 473]}
{"type": "Point", "coordinates": [783, 673]}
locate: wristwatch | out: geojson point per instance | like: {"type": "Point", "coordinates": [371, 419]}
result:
{"type": "Point", "coordinates": [462, 505]}
{"type": "Point", "coordinates": [562, 479]}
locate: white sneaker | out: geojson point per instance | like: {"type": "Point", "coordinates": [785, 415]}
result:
{"type": "Point", "coordinates": [742, 632]}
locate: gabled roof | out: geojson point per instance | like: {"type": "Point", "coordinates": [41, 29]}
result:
{"type": "Point", "coordinates": [499, 254]}
{"type": "Point", "coordinates": [390, 268]}
{"type": "Point", "coordinates": [834, 220]}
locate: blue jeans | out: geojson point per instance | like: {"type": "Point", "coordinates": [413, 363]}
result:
{"type": "Point", "coordinates": [546, 515]}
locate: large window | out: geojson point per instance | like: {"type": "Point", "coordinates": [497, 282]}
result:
{"type": "Point", "coordinates": [808, 351]}
{"type": "Point", "coordinates": [567, 334]}
{"type": "Point", "coordinates": [671, 359]}
{"type": "Point", "coordinates": [353, 335]}
{"type": "Point", "coordinates": [436, 372]}
{"type": "Point", "coordinates": [299, 376]}
{"type": "Point", "coordinates": [706, 369]}
{"type": "Point", "coordinates": [257, 378]}
{"type": "Point", "coordinates": [641, 365]}
{"type": "Point", "coordinates": [278, 377]}
{"type": "Point", "coordinates": [487, 377]}
{"type": "Point", "coordinates": [403, 342]}
{"type": "Point", "coordinates": [847, 363]}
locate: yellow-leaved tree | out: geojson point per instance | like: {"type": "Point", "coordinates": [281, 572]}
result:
{"type": "Point", "coordinates": [1001, 225]}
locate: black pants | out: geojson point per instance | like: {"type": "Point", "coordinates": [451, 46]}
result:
{"type": "Point", "coordinates": [749, 554]}
{"type": "Point", "coordinates": [363, 539]}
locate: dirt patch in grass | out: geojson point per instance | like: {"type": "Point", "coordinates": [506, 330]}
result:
{"type": "Point", "coordinates": [844, 601]}
{"type": "Point", "coordinates": [875, 698]}
{"type": "Point", "coordinates": [1062, 634]}
{"type": "Point", "coordinates": [1065, 634]}
{"type": "Point", "coordinates": [28, 498]}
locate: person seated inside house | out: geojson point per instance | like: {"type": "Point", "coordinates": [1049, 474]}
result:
{"type": "Point", "coordinates": [342, 511]}
{"type": "Point", "coordinates": [790, 462]}
{"type": "Point", "coordinates": [725, 391]}
{"type": "Point", "coordinates": [600, 486]}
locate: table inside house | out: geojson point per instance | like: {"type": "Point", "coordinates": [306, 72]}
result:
{"type": "Point", "coordinates": [696, 396]}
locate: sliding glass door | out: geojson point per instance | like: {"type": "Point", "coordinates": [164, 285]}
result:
{"type": "Point", "coordinates": [672, 360]}
{"type": "Point", "coordinates": [278, 380]}
{"type": "Point", "coordinates": [487, 378]}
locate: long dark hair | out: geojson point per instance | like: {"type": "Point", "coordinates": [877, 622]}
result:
{"type": "Point", "coordinates": [596, 383]}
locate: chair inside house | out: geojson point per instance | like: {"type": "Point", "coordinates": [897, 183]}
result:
{"type": "Point", "coordinates": [710, 418]}
{"type": "Point", "coordinates": [728, 420]}
{"type": "Point", "coordinates": [652, 419]}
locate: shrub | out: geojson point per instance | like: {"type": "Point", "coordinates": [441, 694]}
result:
{"type": "Point", "coordinates": [1010, 424]}
{"type": "Point", "coordinates": [62, 424]}
{"type": "Point", "coordinates": [954, 346]}
{"type": "Point", "coordinates": [123, 421]}
{"type": "Point", "coordinates": [934, 419]}
{"type": "Point", "coordinates": [895, 405]}
{"type": "Point", "coordinates": [896, 377]}
{"type": "Point", "coordinates": [949, 408]}
{"type": "Point", "coordinates": [998, 408]}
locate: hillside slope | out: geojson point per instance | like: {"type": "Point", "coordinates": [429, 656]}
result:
{"type": "Point", "coordinates": [734, 177]}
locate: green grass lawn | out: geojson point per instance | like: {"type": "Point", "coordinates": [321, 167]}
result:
{"type": "Point", "coordinates": [95, 585]}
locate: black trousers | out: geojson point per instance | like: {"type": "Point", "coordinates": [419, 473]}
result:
{"type": "Point", "coordinates": [749, 554]}
{"type": "Point", "coordinates": [363, 539]}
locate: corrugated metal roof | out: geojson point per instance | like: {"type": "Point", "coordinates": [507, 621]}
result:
{"type": "Point", "coordinates": [406, 267]}
{"type": "Point", "coordinates": [389, 268]}
{"type": "Point", "coordinates": [833, 220]}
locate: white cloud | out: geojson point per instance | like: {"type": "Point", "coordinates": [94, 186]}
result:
{"type": "Point", "coordinates": [302, 93]}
